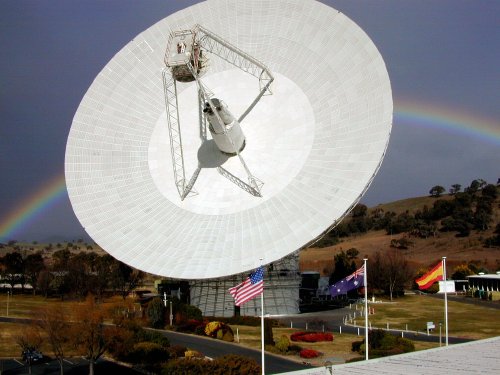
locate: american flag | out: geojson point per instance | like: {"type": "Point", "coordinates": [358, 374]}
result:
{"type": "Point", "coordinates": [248, 289]}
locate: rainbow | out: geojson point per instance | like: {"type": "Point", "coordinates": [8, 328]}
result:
{"type": "Point", "coordinates": [408, 112]}
{"type": "Point", "coordinates": [411, 112]}
{"type": "Point", "coordinates": [32, 207]}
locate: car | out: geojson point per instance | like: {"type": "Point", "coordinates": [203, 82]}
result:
{"type": "Point", "coordinates": [31, 355]}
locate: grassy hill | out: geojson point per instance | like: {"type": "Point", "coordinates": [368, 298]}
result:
{"type": "Point", "coordinates": [422, 252]}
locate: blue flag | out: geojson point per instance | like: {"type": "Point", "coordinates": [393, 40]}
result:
{"type": "Point", "coordinates": [353, 281]}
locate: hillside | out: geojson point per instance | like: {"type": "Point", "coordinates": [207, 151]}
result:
{"type": "Point", "coordinates": [421, 252]}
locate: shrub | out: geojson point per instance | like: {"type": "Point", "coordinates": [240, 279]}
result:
{"type": "Point", "coordinates": [193, 366]}
{"type": "Point", "coordinates": [220, 331]}
{"type": "Point", "coordinates": [193, 354]}
{"type": "Point", "coordinates": [191, 326]}
{"type": "Point", "coordinates": [383, 344]}
{"type": "Point", "coordinates": [228, 364]}
{"type": "Point", "coordinates": [236, 364]}
{"type": "Point", "coordinates": [212, 328]}
{"type": "Point", "coordinates": [156, 313]}
{"type": "Point", "coordinates": [155, 337]}
{"type": "Point", "coordinates": [177, 351]}
{"type": "Point", "coordinates": [253, 321]}
{"type": "Point", "coordinates": [294, 349]}
{"type": "Point", "coordinates": [309, 353]}
{"type": "Point", "coordinates": [356, 346]}
{"type": "Point", "coordinates": [311, 336]}
{"type": "Point", "coordinates": [148, 353]}
{"type": "Point", "coordinates": [282, 344]}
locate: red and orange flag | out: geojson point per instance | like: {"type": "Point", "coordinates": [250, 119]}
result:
{"type": "Point", "coordinates": [435, 274]}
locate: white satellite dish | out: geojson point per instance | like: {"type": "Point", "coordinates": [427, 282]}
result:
{"type": "Point", "coordinates": [302, 153]}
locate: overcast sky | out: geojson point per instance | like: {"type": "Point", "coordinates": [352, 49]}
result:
{"type": "Point", "coordinates": [443, 59]}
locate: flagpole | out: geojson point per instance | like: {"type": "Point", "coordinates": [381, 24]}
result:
{"type": "Point", "coordinates": [445, 302]}
{"type": "Point", "coordinates": [366, 309]}
{"type": "Point", "coordinates": [262, 324]}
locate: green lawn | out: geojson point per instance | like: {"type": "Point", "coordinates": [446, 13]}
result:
{"type": "Point", "coordinates": [465, 320]}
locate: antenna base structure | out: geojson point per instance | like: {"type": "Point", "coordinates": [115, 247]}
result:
{"type": "Point", "coordinates": [186, 61]}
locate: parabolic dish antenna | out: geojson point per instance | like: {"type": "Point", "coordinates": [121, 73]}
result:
{"type": "Point", "coordinates": [185, 161]}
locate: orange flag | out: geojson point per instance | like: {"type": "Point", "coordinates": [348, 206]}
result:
{"type": "Point", "coordinates": [435, 274]}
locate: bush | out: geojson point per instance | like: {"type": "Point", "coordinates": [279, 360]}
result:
{"type": "Point", "coordinates": [282, 344]}
{"type": "Point", "coordinates": [123, 339]}
{"type": "Point", "coordinates": [383, 344]}
{"type": "Point", "coordinates": [252, 321]}
{"type": "Point", "coordinates": [294, 349]}
{"type": "Point", "coordinates": [228, 364]}
{"type": "Point", "coordinates": [181, 366]}
{"type": "Point", "coordinates": [309, 353]}
{"type": "Point", "coordinates": [236, 364]}
{"type": "Point", "coordinates": [356, 346]}
{"type": "Point", "coordinates": [212, 328]}
{"type": "Point", "coordinates": [156, 313]}
{"type": "Point", "coordinates": [177, 351]}
{"type": "Point", "coordinates": [220, 331]}
{"type": "Point", "coordinates": [311, 336]}
{"type": "Point", "coordinates": [148, 353]}
{"type": "Point", "coordinates": [191, 326]}
{"type": "Point", "coordinates": [155, 337]}
{"type": "Point", "coordinates": [193, 354]}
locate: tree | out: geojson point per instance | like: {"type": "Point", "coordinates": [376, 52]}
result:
{"type": "Point", "coordinates": [389, 272]}
{"type": "Point", "coordinates": [33, 265]}
{"type": "Point", "coordinates": [490, 191]}
{"type": "Point", "coordinates": [352, 253]}
{"type": "Point", "coordinates": [343, 266]}
{"type": "Point", "coordinates": [436, 191]}
{"type": "Point", "coordinates": [14, 269]}
{"type": "Point", "coordinates": [56, 326]}
{"type": "Point", "coordinates": [89, 333]}
{"type": "Point", "coordinates": [360, 210]}
{"type": "Point", "coordinates": [494, 240]}
{"type": "Point", "coordinates": [29, 340]}
{"type": "Point", "coordinates": [461, 271]}
{"type": "Point", "coordinates": [455, 188]}
{"type": "Point", "coordinates": [124, 278]}
{"type": "Point", "coordinates": [156, 313]}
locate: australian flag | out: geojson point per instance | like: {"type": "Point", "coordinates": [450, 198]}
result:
{"type": "Point", "coordinates": [353, 281]}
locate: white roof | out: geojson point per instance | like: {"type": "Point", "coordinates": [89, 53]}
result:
{"type": "Point", "coordinates": [475, 357]}
{"type": "Point", "coordinates": [316, 143]}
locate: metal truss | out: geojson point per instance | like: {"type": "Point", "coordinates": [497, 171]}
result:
{"type": "Point", "coordinates": [233, 55]}
{"type": "Point", "coordinates": [174, 131]}
{"type": "Point", "coordinates": [217, 46]}
{"type": "Point", "coordinates": [206, 94]}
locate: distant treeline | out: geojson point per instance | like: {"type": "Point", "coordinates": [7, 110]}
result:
{"type": "Point", "coordinates": [66, 273]}
{"type": "Point", "coordinates": [460, 212]}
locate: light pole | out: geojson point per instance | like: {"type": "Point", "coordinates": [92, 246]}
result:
{"type": "Point", "coordinates": [8, 300]}
{"type": "Point", "coordinates": [440, 324]}
{"type": "Point", "coordinates": [171, 315]}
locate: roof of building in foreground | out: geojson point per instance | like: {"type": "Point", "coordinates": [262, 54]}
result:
{"type": "Point", "coordinates": [475, 357]}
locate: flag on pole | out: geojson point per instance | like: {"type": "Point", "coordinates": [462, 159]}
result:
{"type": "Point", "coordinates": [353, 281]}
{"type": "Point", "coordinates": [435, 274]}
{"type": "Point", "coordinates": [248, 289]}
